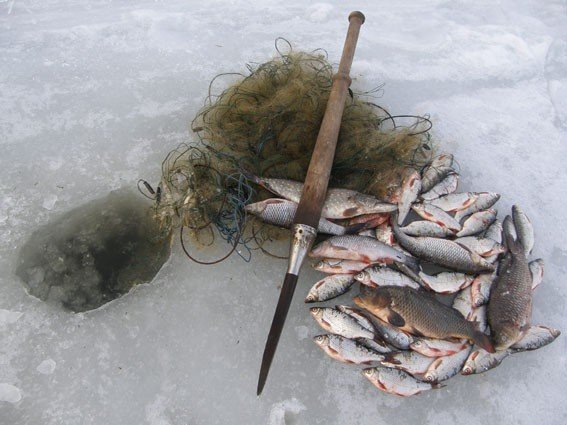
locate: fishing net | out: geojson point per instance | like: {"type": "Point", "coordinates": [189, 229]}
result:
{"type": "Point", "coordinates": [266, 123]}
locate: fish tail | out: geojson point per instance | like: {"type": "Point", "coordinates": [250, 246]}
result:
{"type": "Point", "coordinates": [250, 176]}
{"type": "Point", "coordinates": [412, 263]}
{"type": "Point", "coordinates": [355, 228]}
{"type": "Point", "coordinates": [389, 358]}
{"type": "Point", "coordinates": [483, 341]}
{"type": "Point", "coordinates": [512, 243]}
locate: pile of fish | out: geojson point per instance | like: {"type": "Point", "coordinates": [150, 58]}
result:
{"type": "Point", "coordinates": [445, 294]}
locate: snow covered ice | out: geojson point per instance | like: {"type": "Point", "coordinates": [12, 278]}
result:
{"type": "Point", "coordinates": [94, 94]}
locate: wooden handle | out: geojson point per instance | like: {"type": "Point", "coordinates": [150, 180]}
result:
{"type": "Point", "coordinates": [317, 179]}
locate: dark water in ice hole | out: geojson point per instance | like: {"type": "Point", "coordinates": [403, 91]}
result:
{"type": "Point", "coordinates": [94, 253]}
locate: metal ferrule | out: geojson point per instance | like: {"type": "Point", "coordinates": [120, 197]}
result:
{"type": "Point", "coordinates": [303, 238]}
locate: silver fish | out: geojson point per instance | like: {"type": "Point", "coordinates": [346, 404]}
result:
{"type": "Point", "coordinates": [382, 276]}
{"type": "Point", "coordinates": [446, 282]}
{"type": "Point", "coordinates": [455, 201]}
{"type": "Point", "coordinates": [361, 248]}
{"type": "Point", "coordinates": [334, 266]}
{"type": "Point", "coordinates": [477, 222]}
{"type": "Point", "coordinates": [358, 315]}
{"type": "Point", "coordinates": [463, 302]}
{"type": "Point", "coordinates": [427, 228]}
{"type": "Point", "coordinates": [510, 304]}
{"type": "Point", "coordinates": [339, 203]}
{"type": "Point", "coordinates": [494, 232]}
{"type": "Point", "coordinates": [329, 287]}
{"type": "Point", "coordinates": [433, 347]}
{"type": "Point", "coordinates": [339, 323]}
{"type": "Point", "coordinates": [436, 171]}
{"type": "Point", "coordinates": [483, 201]}
{"type": "Point", "coordinates": [536, 269]}
{"type": "Point", "coordinates": [485, 247]}
{"type": "Point", "coordinates": [384, 234]}
{"type": "Point", "coordinates": [480, 288]}
{"type": "Point", "coordinates": [391, 334]}
{"type": "Point", "coordinates": [480, 361]}
{"type": "Point", "coordinates": [437, 215]}
{"type": "Point", "coordinates": [442, 252]}
{"type": "Point", "coordinates": [446, 186]}
{"type": "Point", "coordinates": [411, 185]}
{"type": "Point", "coordinates": [536, 337]}
{"type": "Point", "coordinates": [396, 381]}
{"type": "Point", "coordinates": [408, 361]}
{"type": "Point", "coordinates": [281, 213]}
{"type": "Point", "coordinates": [478, 315]}
{"type": "Point", "coordinates": [524, 229]}
{"type": "Point", "coordinates": [446, 367]}
{"type": "Point", "coordinates": [346, 350]}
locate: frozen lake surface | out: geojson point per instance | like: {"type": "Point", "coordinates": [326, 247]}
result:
{"type": "Point", "coordinates": [94, 94]}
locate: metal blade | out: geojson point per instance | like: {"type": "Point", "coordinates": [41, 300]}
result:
{"type": "Point", "coordinates": [284, 302]}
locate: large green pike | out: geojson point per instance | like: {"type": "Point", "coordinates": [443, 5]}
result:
{"type": "Point", "coordinates": [420, 314]}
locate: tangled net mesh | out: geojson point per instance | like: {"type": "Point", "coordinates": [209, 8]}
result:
{"type": "Point", "coordinates": [266, 123]}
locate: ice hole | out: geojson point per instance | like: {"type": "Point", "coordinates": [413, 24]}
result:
{"type": "Point", "coordinates": [94, 253]}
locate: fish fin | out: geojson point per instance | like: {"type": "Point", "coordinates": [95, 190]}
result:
{"type": "Point", "coordinates": [395, 319]}
{"type": "Point", "coordinates": [350, 212]}
{"type": "Point", "coordinates": [483, 341]}
{"type": "Point", "coordinates": [355, 228]}
{"type": "Point", "coordinates": [415, 332]}
{"type": "Point", "coordinates": [412, 263]}
{"type": "Point", "coordinates": [340, 248]}
{"type": "Point", "coordinates": [358, 301]}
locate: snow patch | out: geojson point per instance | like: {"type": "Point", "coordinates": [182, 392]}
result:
{"type": "Point", "coordinates": [46, 367]}
{"type": "Point", "coordinates": [283, 413]}
{"type": "Point", "coordinates": [10, 393]}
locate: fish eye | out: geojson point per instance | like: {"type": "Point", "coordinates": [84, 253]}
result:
{"type": "Point", "coordinates": [320, 338]}
{"type": "Point", "coordinates": [417, 343]}
{"type": "Point", "coordinates": [314, 310]}
{"type": "Point", "coordinates": [367, 372]}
